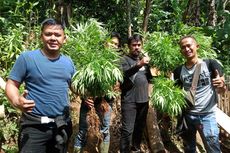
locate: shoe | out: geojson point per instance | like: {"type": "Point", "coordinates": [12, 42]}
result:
{"type": "Point", "coordinates": [135, 150]}
{"type": "Point", "coordinates": [77, 150]}
{"type": "Point", "coordinates": [104, 147]}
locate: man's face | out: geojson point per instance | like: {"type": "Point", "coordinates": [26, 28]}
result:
{"type": "Point", "coordinates": [135, 48]}
{"type": "Point", "coordinates": [189, 48]}
{"type": "Point", "coordinates": [53, 37]}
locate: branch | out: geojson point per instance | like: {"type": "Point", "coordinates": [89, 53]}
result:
{"type": "Point", "coordinates": [212, 13]}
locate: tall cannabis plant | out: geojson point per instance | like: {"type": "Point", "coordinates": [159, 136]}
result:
{"type": "Point", "coordinates": [97, 65]}
{"type": "Point", "coordinates": [165, 55]}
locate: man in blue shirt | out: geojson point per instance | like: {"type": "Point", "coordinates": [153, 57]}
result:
{"type": "Point", "coordinates": [45, 122]}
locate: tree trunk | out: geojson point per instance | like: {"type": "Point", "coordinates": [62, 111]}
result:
{"type": "Point", "coordinates": [75, 113]}
{"type": "Point", "coordinates": [128, 13]}
{"type": "Point", "coordinates": [220, 9]}
{"type": "Point", "coordinates": [211, 13]}
{"type": "Point", "coordinates": [69, 11]}
{"type": "Point", "coordinates": [64, 11]}
{"type": "Point", "coordinates": [152, 133]}
{"type": "Point", "coordinates": [146, 15]}
{"type": "Point", "coordinates": [192, 13]}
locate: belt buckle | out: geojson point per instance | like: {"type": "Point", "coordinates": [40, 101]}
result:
{"type": "Point", "coordinates": [45, 120]}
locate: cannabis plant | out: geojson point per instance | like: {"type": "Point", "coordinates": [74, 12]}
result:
{"type": "Point", "coordinates": [97, 65]}
{"type": "Point", "coordinates": [167, 97]}
{"type": "Point", "coordinates": [165, 55]}
{"type": "Point", "coordinates": [163, 50]}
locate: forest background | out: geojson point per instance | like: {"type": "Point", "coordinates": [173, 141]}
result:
{"type": "Point", "coordinates": [162, 22]}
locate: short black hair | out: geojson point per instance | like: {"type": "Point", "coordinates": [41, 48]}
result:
{"type": "Point", "coordinates": [115, 34]}
{"type": "Point", "coordinates": [51, 21]}
{"type": "Point", "coordinates": [187, 36]}
{"type": "Point", "coordinates": [135, 37]}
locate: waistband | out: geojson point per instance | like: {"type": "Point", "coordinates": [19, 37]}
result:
{"type": "Point", "coordinates": [32, 119]}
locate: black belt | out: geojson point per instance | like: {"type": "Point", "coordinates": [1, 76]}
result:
{"type": "Point", "coordinates": [32, 119]}
{"type": "Point", "coordinates": [60, 122]}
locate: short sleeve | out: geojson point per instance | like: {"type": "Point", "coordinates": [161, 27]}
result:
{"type": "Point", "coordinates": [215, 65]}
{"type": "Point", "coordinates": [18, 72]}
{"type": "Point", "coordinates": [176, 75]}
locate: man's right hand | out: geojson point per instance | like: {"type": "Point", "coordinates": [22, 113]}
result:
{"type": "Point", "coordinates": [143, 61]}
{"type": "Point", "coordinates": [89, 102]}
{"type": "Point", "coordinates": [24, 104]}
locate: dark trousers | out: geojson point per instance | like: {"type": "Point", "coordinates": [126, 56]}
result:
{"type": "Point", "coordinates": [133, 124]}
{"type": "Point", "coordinates": [42, 139]}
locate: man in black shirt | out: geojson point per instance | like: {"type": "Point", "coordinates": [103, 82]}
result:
{"type": "Point", "coordinates": [134, 95]}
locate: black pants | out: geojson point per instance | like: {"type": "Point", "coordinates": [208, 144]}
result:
{"type": "Point", "coordinates": [133, 124]}
{"type": "Point", "coordinates": [41, 138]}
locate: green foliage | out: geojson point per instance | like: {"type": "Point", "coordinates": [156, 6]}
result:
{"type": "Point", "coordinates": [205, 49]}
{"type": "Point", "coordinates": [17, 35]}
{"type": "Point", "coordinates": [163, 50]}
{"type": "Point", "coordinates": [222, 43]}
{"type": "Point", "coordinates": [166, 97]}
{"type": "Point", "coordinates": [166, 15]}
{"type": "Point", "coordinates": [8, 125]}
{"type": "Point", "coordinates": [112, 13]}
{"type": "Point", "coordinates": [14, 42]}
{"type": "Point", "coordinates": [9, 133]}
{"type": "Point", "coordinates": [9, 129]}
{"type": "Point", "coordinates": [97, 65]}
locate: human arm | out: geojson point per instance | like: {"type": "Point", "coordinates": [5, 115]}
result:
{"type": "Point", "coordinates": [176, 76]}
{"type": "Point", "coordinates": [219, 83]}
{"type": "Point", "coordinates": [217, 76]}
{"type": "Point", "coordinates": [130, 69]}
{"type": "Point", "coordinates": [17, 100]}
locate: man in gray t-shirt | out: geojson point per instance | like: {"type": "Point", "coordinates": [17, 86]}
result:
{"type": "Point", "coordinates": [200, 117]}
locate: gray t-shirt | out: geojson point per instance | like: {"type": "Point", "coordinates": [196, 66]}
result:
{"type": "Point", "coordinates": [206, 97]}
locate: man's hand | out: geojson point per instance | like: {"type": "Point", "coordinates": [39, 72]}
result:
{"type": "Point", "coordinates": [218, 82]}
{"type": "Point", "coordinates": [24, 104]}
{"type": "Point", "coordinates": [89, 102]}
{"type": "Point", "coordinates": [145, 60]}
{"type": "Point", "coordinates": [17, 100]}
{"type": "Point", "coordinates": [116, 87]}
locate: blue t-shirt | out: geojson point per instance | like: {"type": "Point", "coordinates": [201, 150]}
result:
{"type": "Point", "coordinates": [47, 81]}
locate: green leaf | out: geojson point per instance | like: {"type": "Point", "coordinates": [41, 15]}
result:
{"type": "Point", "coordinates": [166, 97]}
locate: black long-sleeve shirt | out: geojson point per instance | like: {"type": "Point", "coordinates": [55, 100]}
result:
{"type": "Point", "coordinates": [136, 80]}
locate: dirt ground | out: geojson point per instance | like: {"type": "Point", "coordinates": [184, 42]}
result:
{"type": "Point", "coordinates": [172, 143]}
